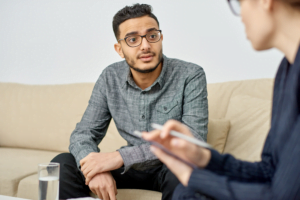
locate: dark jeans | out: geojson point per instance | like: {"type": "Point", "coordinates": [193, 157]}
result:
{"type": "Point", "coordinates": [72, 181]}
{"type": "Point", "coordinates": [185, 193]}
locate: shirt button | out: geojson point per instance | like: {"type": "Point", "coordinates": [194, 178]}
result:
{"type": "Point", "coordinates": [165, 108]}
{"type": "Point", "coordinates": [143, 116]}
{"type": "Point", "coordinates": [143, 92]}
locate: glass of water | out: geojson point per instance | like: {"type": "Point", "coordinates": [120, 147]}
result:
{"type": "Point", "coordinates": [48, 181]}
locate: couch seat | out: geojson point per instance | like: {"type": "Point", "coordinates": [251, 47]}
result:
{"type": "Point", "coordinates": [17, 164]}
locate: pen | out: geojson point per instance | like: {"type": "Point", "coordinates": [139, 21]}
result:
{"type": "Point", "coordinates": [185, 137]}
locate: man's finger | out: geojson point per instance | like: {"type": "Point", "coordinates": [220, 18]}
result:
{"type": "Point", "coordinates": [115, 188]}
{"type": "Point", "coordinates": [83, 167]}
{"type": "Point", "coordinates": [82, 161]}
{"type": "Point", "coordinates": [86, 171]}
{"type": "Point", "coordinates": [87, 181]}
{"type": "Point", "coordinates": [98, 192]}
{"type": "Point", "coordinates": [90, 175]}
{"type": "Point", "coordinates": [105, 195]}
{"type": "Point", "coordinates": [93, 191]}
{"type": "Point", "coordinates": [112, 195]}
{"type": "Point", "coordinates": [88, 178]}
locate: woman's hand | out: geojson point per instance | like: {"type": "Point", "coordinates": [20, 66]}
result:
{"type": "Point", "coordinates": [179, 169]}
{"type": "Point", "coordinates": [182, 148]}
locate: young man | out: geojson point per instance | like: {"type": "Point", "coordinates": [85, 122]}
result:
{"type": "Point", "coordinates": [146, 88]}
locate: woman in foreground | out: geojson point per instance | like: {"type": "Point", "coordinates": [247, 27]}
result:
{"type": "Point", "coordinates": [268, 24]}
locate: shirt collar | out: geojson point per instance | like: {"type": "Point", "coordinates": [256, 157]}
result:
{"type": "Point", "coordinates": [127, 78]}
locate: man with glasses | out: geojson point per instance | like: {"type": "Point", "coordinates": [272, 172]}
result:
{"type": "Point", "coordinates": [147, 87]}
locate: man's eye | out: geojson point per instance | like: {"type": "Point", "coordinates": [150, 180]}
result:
{"type": "Point", "coordinates": [133, 39]}
{"type": "Point", "coordinates": [153, 36]}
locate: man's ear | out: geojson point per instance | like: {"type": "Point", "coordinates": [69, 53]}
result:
{"type": "Point", "coordinates": [118, 49]}
{"type": "Point", "coordinates": [162, 37]}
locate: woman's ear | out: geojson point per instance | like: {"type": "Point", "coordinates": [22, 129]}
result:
{"type": "Point", "coordinates": [118, 49]}
{"type": "Point", "coordinates": [267, 4]}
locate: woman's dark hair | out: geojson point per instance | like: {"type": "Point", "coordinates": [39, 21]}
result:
{"type": "Point", "coordinates": [129, 12]}
{"type": "Point", "coordinates": [293, 3]}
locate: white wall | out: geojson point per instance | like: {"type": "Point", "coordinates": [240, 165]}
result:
{"type": "Point", "coordinates": [68, 41]}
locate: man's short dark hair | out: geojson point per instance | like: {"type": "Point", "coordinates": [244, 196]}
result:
{"type": "Point", "coordinates": [129, 12]}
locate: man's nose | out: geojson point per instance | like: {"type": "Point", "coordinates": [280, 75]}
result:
{"type": "Point", "coordinates": [145, 45]}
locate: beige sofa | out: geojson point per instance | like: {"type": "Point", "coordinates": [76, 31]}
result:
{"type": "Point", "coordinates": [36, 123]}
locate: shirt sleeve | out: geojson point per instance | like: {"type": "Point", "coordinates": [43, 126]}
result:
{"type": "Point", "coordinates": [284, 184]}
{"type": "Point", "coordinates": [195, 105]}
{"type": "Point", "coordinates": [139, 156]}
{"type": "Point", "coordinates": [92, 128]}
{"type": "Point", "coordinates": [227, 165]}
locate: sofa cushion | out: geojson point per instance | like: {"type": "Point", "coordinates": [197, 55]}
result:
{"type": "Point", "coordinates": [250, 123]}
{"type": "Point", "coordinates": [217, 133]}
{"type": "Point", "coordinates": [220, 94]}
{"type": "Point", "coordinates": [17, 164]}
{"type": "Point", "coordinates": [134, 194]}
{"type": "Point", "coordinates": [41, 117]}
{"type": "Point", "coordinates": [28, 188]}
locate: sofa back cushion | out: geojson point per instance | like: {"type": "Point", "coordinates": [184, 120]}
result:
{"type": "Point", "coordinates": [217, 133]}
{"type": "Point", "coordinates": [41, 117]}
{"type": "Point", "coordinates": [220, 94]}
{"type": "Point", "coordinates": [250, 123]}
{"type": "Point", "coordinates": [247, 105]}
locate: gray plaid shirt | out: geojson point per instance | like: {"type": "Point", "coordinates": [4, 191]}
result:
{"type": "Point", "coordinates": [178, 93]}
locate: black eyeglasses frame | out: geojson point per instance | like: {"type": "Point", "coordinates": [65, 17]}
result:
{"type": "Point", "coordinates": [142, 36]}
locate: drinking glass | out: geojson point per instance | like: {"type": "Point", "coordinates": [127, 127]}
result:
{"type": "Point", "coordinates": [48, 181]}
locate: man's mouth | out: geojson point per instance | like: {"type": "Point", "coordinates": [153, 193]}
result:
{"type": "Point", "coordinates": [146, 57]}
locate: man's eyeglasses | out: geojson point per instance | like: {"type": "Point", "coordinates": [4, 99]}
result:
{"type": "Point", "coordinates": [235, 6]}
{"type": "Point", "coordinates": [136, 40]}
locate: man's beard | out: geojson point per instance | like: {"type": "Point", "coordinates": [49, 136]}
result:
{"type": "Point", "coordinates": [131, 63]}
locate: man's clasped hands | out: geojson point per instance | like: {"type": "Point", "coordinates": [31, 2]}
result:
{"type": "Point", "coordinates": [96, 167]}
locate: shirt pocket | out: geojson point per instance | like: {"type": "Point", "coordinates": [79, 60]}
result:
{"type": "Point", "coordinates": [168, 110]}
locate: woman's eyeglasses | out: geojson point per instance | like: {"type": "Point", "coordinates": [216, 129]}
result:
{"type": "Point", "coordinates": [235, 6]}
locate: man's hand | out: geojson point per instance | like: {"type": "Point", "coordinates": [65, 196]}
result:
{"type": "Point", "coordinates": [182, 148]}
{"type": "Point", "coordinates": [96, 163]}
{"type": "Point", "coordinates": [104, 185]}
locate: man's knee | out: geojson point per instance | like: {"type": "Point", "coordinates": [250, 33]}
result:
{"type": "Point", "coordinates": [71, 181]}
{"type": "Point", "coordinates": [169, 184]}
{"type": "Point", "coordinates": [64, 158]}
{"type": "Point", "coordinates": [68, 166]}
{"type": "Point", "coordinates": [171, 181]}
